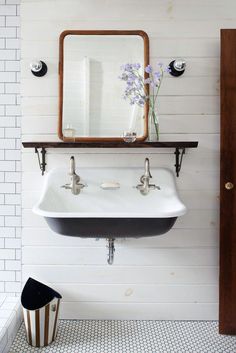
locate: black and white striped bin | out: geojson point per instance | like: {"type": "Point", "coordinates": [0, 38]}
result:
{"type": "Point", "coordinates": [41, 311]}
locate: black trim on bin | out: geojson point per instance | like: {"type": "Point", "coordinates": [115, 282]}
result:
{"type": "Point", "coordinates": [36, 295]}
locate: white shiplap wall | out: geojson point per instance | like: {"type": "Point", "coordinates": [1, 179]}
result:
{"type": "Point", "coordinates": [174, 276]}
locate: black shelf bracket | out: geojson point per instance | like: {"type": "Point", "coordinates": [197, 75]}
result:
{"type": "Point", "coordinates": [42, 161]}
{"type": "Point", "coordinates": [179, 153]}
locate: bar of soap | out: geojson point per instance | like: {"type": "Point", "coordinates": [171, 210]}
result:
{"type": "Point", "coordinates": [110, 185]}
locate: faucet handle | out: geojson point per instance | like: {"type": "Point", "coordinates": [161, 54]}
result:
{"type": "Point", "coordinates": [154, 186]}
{"type": "Point", "coordinates": [147, 172]}
{"type": "Point", "coordinates": [72, 165]}
{"type": "Point", "coordinates": [66, 186]}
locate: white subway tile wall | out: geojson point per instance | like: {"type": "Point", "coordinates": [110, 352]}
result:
{"type": "Point", "coordinates": [10, 148]}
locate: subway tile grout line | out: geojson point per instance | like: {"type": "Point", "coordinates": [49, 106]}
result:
{"type": "Point", "coordinates": [10, 14]}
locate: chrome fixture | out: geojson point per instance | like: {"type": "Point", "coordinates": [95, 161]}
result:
{"type": "Point", "coordinates": [177, 67]}
{"type": "Point", "coordinates": [145, 186]}
{"type": "Point", "coordinates": [129, 136]}
{"type": "Point", "coordinates": [75, 186]}
{"type": "Point", "coordinates": [38, 68]}
{"type": "Point", "coordinates": [111, 250]}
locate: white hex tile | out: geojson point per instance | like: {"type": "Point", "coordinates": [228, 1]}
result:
{"type": "Point", "coordinates": [91, 336]}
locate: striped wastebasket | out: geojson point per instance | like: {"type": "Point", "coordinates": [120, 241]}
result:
{"type": "Point", "coordinates": [41, 306]}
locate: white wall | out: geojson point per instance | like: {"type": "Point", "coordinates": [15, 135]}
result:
{"type": "Point", "coordinates": [174, 276]}
{"type": "Point", "coordinates": [10, 148]}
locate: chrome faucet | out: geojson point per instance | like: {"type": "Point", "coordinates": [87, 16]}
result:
{"type": "Point", "coordinates": [75, 186]}
{"type": "Point", "coordinates": [145, 185]}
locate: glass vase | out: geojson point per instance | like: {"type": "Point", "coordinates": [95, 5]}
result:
{"type": "Point", "coordinates": [153, 125]}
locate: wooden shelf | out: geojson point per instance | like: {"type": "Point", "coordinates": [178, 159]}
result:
{"type": "Point", "coordinates": [179, 147]}
{"type": "Point", "coordinates": [159, 144]}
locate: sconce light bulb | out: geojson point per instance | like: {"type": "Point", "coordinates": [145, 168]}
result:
{"type": "Point", "coordinates": [179, 64]}
{"type": "Point", "coordinates": [36, 66]}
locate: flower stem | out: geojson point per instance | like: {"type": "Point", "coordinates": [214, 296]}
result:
{"type": "Point", "coordinates": [155, 123]}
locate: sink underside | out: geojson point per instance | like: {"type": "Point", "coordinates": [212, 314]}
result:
{"type": "Point", "coordinates": [111, 227]}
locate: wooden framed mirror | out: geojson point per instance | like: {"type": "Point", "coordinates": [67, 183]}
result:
{"type": "Point", "coordinates": [91, 103]}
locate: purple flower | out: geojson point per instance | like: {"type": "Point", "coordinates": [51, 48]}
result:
{"type": "Point", "coordinates": [123, 76]}
{"type": "Point", "coordinates": [132, 77]}
{"type": "Point", "coordinates": [128, 67]}
{"type": "Point", "coordinates": [135, 90]}
{"type": "Point", "coordinates": [141, 101]}
{"type": "Point", "coordinates": [136, 66]}
{"type": "Point", "coordinates": [148, 69]}
{"type": "Point", "coordinates": [148, 81]}
{"type": "Point", "coordinates": [132, 101]}
{"type": "Point", "coordinates": [157, 82]}
{"type": "Point", "coordinates": [157, 74]}
{"type": "Point", "coordinates": [167, 69]}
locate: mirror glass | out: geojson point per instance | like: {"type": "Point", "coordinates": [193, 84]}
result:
{"type": "Point", "coordinates": [93, 104]}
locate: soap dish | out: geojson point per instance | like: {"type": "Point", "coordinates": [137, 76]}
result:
{"type": "Point", "coordinates": [110, 185]}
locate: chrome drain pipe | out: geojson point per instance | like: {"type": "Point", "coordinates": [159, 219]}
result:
{"type": "Point", "coordinates": [111, 251]}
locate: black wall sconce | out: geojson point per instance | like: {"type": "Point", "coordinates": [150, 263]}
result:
{"type": "Point", "coordinates": [177, 67]}
{"type": "Point", "coordinates": [38, 68]}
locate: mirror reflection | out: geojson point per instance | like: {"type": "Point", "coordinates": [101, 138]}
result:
{"type": "Point", "coordinates": [93, 95]}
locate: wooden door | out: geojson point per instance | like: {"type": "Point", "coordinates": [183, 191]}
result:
{"type": "Point", "coordinates": [227, 312]}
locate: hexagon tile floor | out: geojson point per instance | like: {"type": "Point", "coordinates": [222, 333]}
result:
{"type": "Point", "coordinates": [97, 336]}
